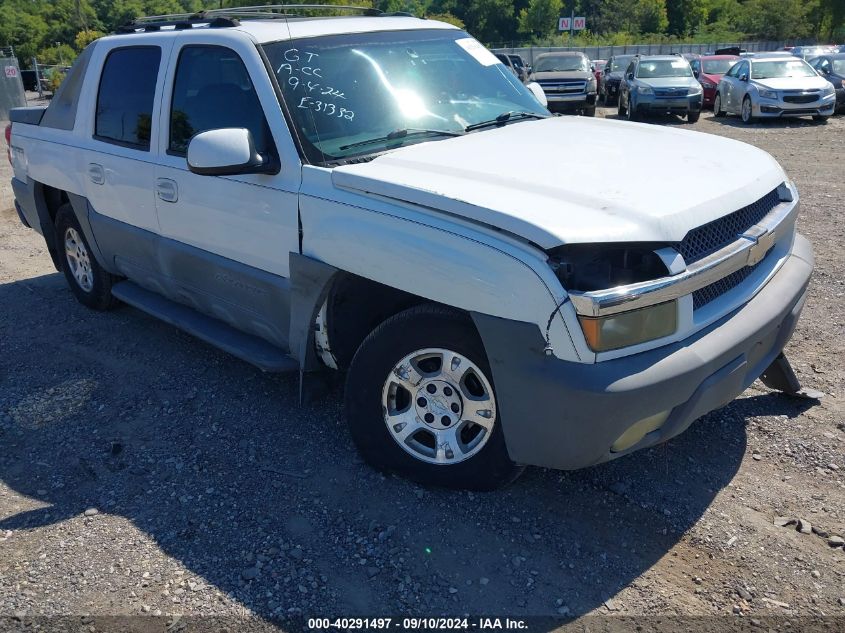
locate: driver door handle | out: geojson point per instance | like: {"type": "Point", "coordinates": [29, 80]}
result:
{"type": "Point", "coordinates": [167, 190]}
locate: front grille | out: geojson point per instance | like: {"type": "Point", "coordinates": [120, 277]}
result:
{"type": "Point", "coordinates": [670, 93]}
{"type": "Point", "coordinates": [806, 98]}
{"type": "Point", "coordinates": [709, 238]}
{"type": "Point", "coordinates": [703, 296]}
{"type": "Point", "coordinates": [564, 86]}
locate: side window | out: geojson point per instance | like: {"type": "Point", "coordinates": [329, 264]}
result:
{"type": "Point", "coordinates": [212, 90]}
{"type": "Point", "coordinates": [125, 97]}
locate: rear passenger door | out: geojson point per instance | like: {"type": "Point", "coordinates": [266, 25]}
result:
{"type": "Point", "coordinates": [119, 142]}
{"type": "Point", "coordinates": [226, 240]}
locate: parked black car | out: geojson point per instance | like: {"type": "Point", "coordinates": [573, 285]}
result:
{"type": "Point", "coordinates": [610, 78]}
{"type": "Point", "coordinates": [520, 65]}
{"type": "Point", "coordinates": [508, 62]}
{"type": "Point", "coordinates": [832, 68]}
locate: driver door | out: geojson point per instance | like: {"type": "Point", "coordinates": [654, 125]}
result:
{"type": "Point", "coordinates": [226, 240]}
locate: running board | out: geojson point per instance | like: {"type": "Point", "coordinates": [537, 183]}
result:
{"type": "Point", "coordinates": [252, 349]}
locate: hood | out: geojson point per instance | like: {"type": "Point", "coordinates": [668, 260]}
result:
{"type": "Point", "coordinates": [670, 82]}
{"type": "Point", "coordinates": [616, 75]}
{"type": "Point", "coordinates": [638, 182]}
{"type": "Point", "coordinates": [793, 83]}
{"type": "Point", "coordinates": [569, 74]}
{"type": "Point", "coordinates": [710, 77]}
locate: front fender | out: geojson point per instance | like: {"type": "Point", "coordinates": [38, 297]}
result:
{"type": "Point", "coordinates": [430, 255]}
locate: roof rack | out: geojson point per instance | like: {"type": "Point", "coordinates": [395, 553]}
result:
{"type": "Point", "coordinates": [221, 18]}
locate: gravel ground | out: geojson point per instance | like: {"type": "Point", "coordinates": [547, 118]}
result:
{"type": "Point", "coordinates": [144, 472]}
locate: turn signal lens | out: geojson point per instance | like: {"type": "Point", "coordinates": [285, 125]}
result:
{"type": "Point", "coordinates": [630, 328]}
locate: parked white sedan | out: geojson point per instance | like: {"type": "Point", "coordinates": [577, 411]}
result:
{"type": "Point", "coordinates": [773, 87]}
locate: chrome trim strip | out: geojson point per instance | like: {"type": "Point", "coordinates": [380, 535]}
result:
{"type": "Point", "coordinates": [751, 247]}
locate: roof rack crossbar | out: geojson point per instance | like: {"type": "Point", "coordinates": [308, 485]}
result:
{"type": "Point", "coordinates": [229, 16]}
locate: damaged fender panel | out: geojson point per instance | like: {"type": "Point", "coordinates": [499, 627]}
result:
{"type": "Point", "coordinates": [432, 256]}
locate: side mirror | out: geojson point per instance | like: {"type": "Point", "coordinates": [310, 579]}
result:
{"type": "Point", "coordinates": [696, 73]}
{"type": "Point", "coordinates": [226, 152]}
{"type": "Point", "coordinates": [743, 77]}
{"type": "Point", "coordinates": [630, 76]}
{"type": "Point", "coordinates": [537, 90]}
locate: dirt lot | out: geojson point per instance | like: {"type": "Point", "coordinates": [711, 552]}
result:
{"type": "Point", "coordinates": [144, 472]}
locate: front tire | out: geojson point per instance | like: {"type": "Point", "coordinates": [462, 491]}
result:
{"type": "Point", "coordinates": [693, 116]}
{"type": "Point", "coordinates": [590, 111]}
{"type": "Point", "coordinates": [819, 118]}
{"type": "Point", "coordinates": [717, 106]}
{"type": "Point", "coordinates": [420, 402]}
{"type": "Point", "coordinates": [621, 111]}
{"type": "Point", "coordinates": [747, 111]}
{"type": "Point", "coordinates": [89, 282]}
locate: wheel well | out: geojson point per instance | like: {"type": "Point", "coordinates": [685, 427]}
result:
{"type": "Point", "coordinates": [53, 199]}
{"type": "Point", "coordinates": [355, 307]}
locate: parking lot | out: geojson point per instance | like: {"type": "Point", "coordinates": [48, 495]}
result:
{"type": "Point", "coordinates": [145, 472]}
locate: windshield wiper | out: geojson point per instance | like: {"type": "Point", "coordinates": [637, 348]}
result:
{"type": "Point", "coordinates": [504, 117]}
{"type": "Point", "coordinates": [401, 134]}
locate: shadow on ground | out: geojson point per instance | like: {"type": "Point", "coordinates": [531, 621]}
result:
{"type": "Point", "coordinates": [218, 464]}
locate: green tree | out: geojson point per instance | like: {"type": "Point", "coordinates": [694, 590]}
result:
{"type": "Point", "coordinates": [540, 17]}
{"type": "Point", "coordinates": [448, 18]}
{"type": "Point", "coordinates": [490, 20]}
{"type": "Point", "coordinates": [84, 38]}
{"type": "Point", "coordinates": [685, 16]}
{"type": "Point", "coordinates": [651, 16]}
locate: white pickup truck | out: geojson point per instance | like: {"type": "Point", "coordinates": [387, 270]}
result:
{"type": "Point", "coordinates": [377, 194]}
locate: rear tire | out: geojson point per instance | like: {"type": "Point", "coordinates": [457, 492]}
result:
{"type": "Point", "coordinates": [717, 106]}
{"type": "Point", "coordinates": [89, 282]}
{"type": "Point", "coordinates": [415, 389]}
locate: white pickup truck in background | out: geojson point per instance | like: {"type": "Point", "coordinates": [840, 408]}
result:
{"type": "Point", "coordinates": [379, 195]}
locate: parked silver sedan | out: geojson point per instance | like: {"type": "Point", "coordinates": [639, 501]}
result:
{"type": "Point", "coordinates": [774, 87]}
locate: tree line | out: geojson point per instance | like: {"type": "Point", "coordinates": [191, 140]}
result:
{"type": "Point", "coordinates": [55, 31]}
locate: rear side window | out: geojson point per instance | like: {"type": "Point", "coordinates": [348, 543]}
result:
{"type": "Point", "coordinates": [212, 90]}
{"type": "Point", "coordinates": [126, 95]}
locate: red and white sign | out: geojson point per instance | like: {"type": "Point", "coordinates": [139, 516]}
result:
{"type": "Point", "coordinates": [572, 24]}
{"type": "Point", "coordinates": [11, 72]}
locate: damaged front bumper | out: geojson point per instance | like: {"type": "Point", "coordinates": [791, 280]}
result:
{"type": "Point", "coordinates": [568, 415]}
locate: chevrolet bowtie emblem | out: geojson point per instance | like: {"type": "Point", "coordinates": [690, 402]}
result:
{"type": "Point", "coordinates": [763, 243]}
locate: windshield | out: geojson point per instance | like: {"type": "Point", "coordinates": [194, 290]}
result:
{"type": "Point", "coordinates": [620, 63]}
{"type": "Point", "coordinates": [652, 69]}
{"type": "Point", "coordinates": [345, 89]}
{"type": "Point", "coordinates": [781, 68]}
{"type": "Point", "coordinates": [717, 66]}
{"type": "Point", "coordinates": [561, 64]}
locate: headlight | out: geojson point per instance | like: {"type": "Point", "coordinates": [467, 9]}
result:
{"type": "Point", "coordinates": [843, 83]}
{"type": "Point", "coordinates": [591, 85]}
{"type": "Point", "coordinates": [630, 328]}
{"type": "Point", "coordinates": [768, 94]}
{"type": "Point", "coordinates": [829, 90]}
{"type": "Point", "coordinates": [645, 90]}
{"type": "Point", "coordinates": [708, 85]}
{"type": "Point", "coordinates": [694, 92]}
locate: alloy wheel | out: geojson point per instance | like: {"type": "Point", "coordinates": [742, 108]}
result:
{"type": "Point", "coordinates": [438, 406]}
